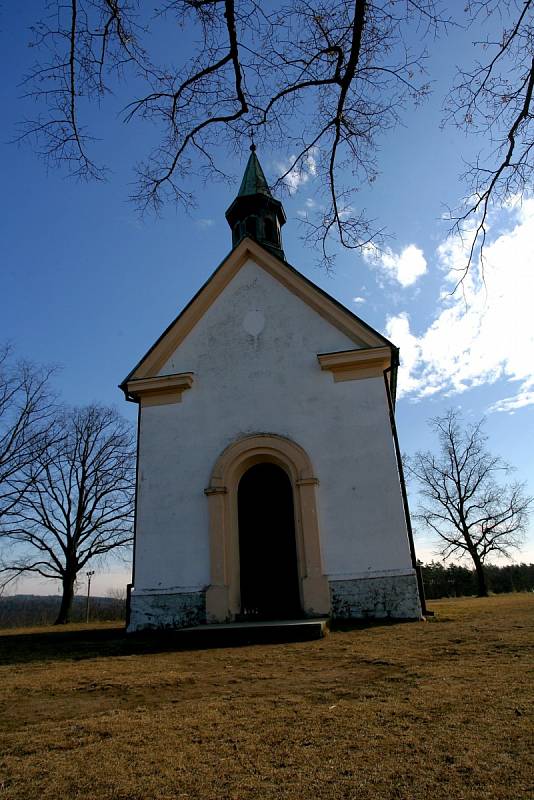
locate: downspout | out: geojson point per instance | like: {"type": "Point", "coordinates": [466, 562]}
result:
{"type": "Point", "coordinates": [391, 390]}
{"type": "Point", "coordinates": [136, 489]}
{"type": "Point", "coordinates": [130, 586]}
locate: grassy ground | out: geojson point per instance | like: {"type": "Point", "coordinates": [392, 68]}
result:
{"type": "Point", "coordinates": [436, 710]}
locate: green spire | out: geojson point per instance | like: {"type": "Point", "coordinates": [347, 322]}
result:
{"type": "Point", "coordinates": [254, 181]}
{"type": "Point", "coordinates": [255, 212]}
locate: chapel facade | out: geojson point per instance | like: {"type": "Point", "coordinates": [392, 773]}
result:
{"type": "Point", "coordinates": [269, 481]}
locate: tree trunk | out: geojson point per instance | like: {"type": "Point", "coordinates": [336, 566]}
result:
{"type": "Point", "coordinates": [482, 589]}
{"type": "Point", "coordinates": [481, 575]}
{"type": "Point", "coordinates": [66, 599]}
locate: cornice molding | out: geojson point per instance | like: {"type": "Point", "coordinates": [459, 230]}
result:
{"type": "Point", "coordinates": [160, 390]}
{"type": "Point", "coordinates": [351, 365]}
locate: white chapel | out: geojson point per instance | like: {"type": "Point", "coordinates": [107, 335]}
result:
{"type": "Point", "coordinates": [269, 482]}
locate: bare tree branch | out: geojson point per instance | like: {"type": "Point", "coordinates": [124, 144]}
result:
{"type": "Point", "coordinates": [26, 423]}
{"type": "Point", "coordinates": [84, 45]}
{"type": "Point", "coordinates": [321, 78]}
{"type": "Point", "coordinates": [495, 100]}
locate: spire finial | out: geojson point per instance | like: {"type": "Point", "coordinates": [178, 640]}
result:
{"type": "Point", "coordinates": [252, 145]}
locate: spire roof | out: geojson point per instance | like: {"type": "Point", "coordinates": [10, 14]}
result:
{"type": "Point", "coordinates": [255, 212]}
{"type": "Point", "coordinates": [254, 180]}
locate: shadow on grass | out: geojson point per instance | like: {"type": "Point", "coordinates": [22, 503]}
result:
{"type": "Point", "coordinates": [359, 624]}
{"type": "Point", "coordinates": [60, 644]}
{"type": "Point", "coordinates": [80, 644]}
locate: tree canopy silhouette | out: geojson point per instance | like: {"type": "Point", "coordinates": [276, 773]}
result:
{"type": "Point", "coordinates": [318, 79]}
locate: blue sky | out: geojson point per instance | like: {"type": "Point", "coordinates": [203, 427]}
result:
{"type": "Point", "coordinates": [87, 285]}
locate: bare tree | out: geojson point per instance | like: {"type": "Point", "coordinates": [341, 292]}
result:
{"type": "Point", "coordinates": [494, 98]}
{"type": "Point", "coordinates": [79, 505]}
{"type": "Point", "coordinates": [462, 501]}
{"type": "Point", "coordinates": [26, 423]}
{"type": "Point", "coordinates": [320, 79]}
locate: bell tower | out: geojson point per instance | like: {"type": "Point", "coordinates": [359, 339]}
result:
{"type": "Point", "coordinates": [255, 212]}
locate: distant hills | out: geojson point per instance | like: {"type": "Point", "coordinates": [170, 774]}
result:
{"type": "Point", "coordinates": [21, 610]}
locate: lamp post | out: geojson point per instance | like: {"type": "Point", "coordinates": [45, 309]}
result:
{"type": "Point", "coordinates": [89, 576]}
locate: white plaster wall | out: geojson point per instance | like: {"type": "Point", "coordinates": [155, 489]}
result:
{"type": "Point", "coordinates": [254, 355]}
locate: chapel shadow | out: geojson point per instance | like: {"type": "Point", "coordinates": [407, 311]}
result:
{"type": "Point", "coordinates": [82, 644]}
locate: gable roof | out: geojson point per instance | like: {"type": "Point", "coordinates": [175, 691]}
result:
{"type": "Point", "coordinates": [327, 306]}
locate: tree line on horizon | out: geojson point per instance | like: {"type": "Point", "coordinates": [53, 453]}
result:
{"type": "Point", "coordinates": [456, 580]}
{"type": "Point", "coordinates": [440, 581]}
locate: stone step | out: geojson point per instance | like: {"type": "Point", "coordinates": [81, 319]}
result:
{"type": "Point", "coordinates": [261, 632]}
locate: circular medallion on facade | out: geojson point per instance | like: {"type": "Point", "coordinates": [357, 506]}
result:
{"type": "Point", "coordinates": [254, 322]}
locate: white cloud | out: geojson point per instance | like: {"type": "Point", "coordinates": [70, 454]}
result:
{"type": "Point", "coordinates": [359, 300]}
{"type": "Point", "coordinates": [398, 330]}
{"type": "Point", "coordinates": [205, 222]}
{"type": "Point", "coordinates": [309, 205]}
{"type": "Point", "coordinates": [510, 404]}
{"type": "Point", "coordinates": [405, 267]}
{"type": "Point", "coordinates": [300, 174]}
{"type": "Point", "coordinates": [484, 331]}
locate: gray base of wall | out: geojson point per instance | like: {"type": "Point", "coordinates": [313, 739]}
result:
{"type": "Point", "coordinates": [166, 611]}
{"type": "Point", "coordinates": [394, 596]}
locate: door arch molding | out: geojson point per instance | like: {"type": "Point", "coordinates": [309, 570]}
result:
{"type": "Point", "coordinates": [223, 593]}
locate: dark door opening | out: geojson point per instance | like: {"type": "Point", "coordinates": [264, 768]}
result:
{"type": "Point", "coordinates": [267, 548]}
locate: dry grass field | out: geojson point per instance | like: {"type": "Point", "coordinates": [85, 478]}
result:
{"type": "Point", "coordinates": [437, 710]}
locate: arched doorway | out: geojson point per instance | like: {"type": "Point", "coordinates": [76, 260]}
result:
{"type": "Point", "coordinates": [223, 595]}
{"type": "Point", "coordinates": [269, 578]}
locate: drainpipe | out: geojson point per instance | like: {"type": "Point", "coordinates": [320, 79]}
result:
{"type": "Point", "coordinates": [390, 392]}
{"type": "Point", "coordinates": [131, 399]}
